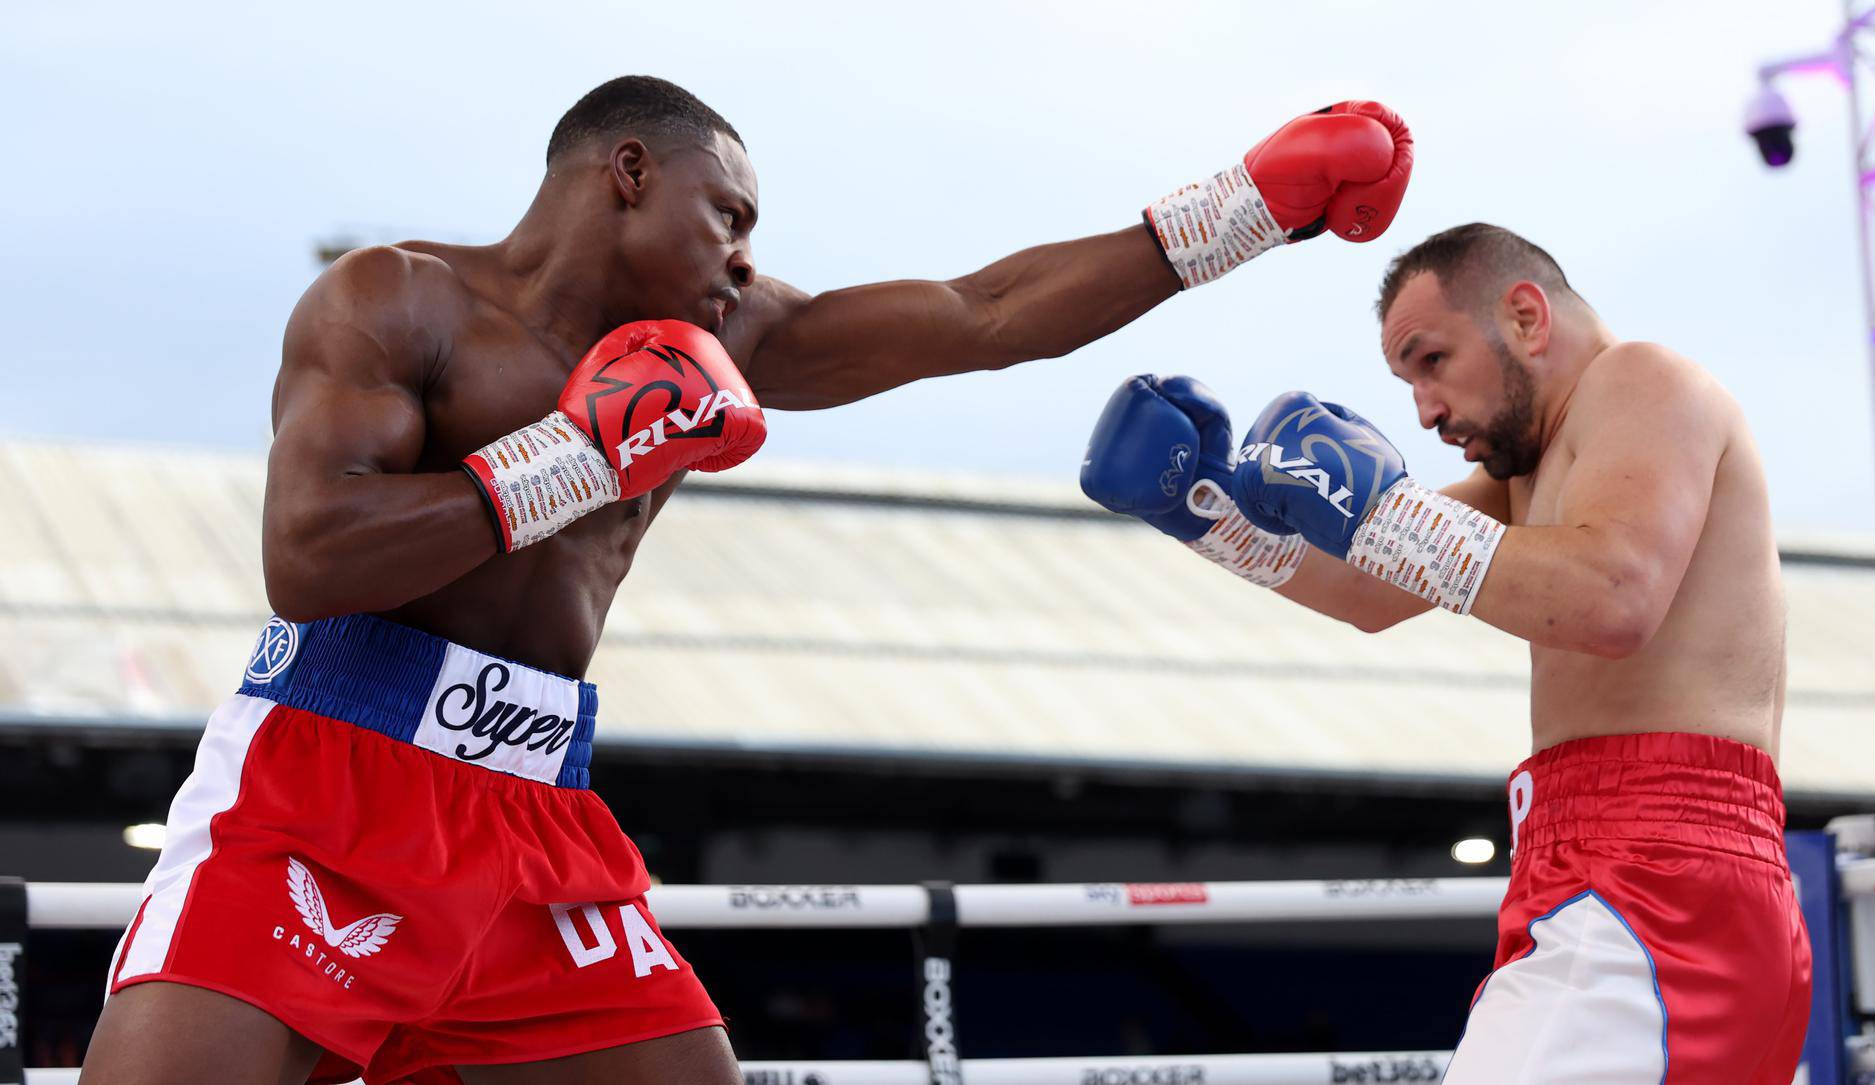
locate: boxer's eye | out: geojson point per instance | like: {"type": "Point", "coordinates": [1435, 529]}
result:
{"type": "Point", "coordinates": [1431, 359]}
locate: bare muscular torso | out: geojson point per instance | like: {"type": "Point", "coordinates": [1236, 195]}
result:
{"type": "Point", "coordinates": [544, 605]}
{"type": "Point", "coordinates": [1716, 664]}
{"type": "Point", "coordinates": [402, 360]}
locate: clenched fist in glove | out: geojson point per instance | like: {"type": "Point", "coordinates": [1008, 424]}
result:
{"type": "Point", "coordinates": [1343, 169]}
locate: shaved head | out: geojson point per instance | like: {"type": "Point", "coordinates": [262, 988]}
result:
{"type": "Point", "coordinates": [642, 106]}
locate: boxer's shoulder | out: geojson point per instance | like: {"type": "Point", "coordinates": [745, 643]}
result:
{"type": "Point", "coordinates": [1637, 368]}
{"type": "Point", "coordinates": [766, 304]}
{"type": "Point", "coordinates": [389, 278]}
{"type": "Point", "coordinates": [1644, 386]}
{"type": "Point", "coordinates": [402, 302]}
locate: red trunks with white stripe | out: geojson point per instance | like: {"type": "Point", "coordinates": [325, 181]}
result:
{"type": "Point", "coordinates": [343, 858]}
{"type": "Point", "coordinates": [1651, 934]}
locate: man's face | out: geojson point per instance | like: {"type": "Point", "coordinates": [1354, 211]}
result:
{"type": "Point", "coordinates": [1471, 385]}
{"type": "Point", "coordinates": [687, 239]}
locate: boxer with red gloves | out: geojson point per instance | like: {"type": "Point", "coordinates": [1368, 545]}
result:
{"type": "Point", "coordinates": [1618, 522]}
{"type": "Point", "coordinates": [415, 877]}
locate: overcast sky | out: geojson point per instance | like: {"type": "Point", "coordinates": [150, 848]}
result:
{"type": "Point", "coordinates": [169, 169]}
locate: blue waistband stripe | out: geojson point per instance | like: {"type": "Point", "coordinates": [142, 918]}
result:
{"type": "Point", "coordinates": [380, 675]}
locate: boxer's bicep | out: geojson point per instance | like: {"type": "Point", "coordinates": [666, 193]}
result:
{"type": "Point", "coordinates": [1641, 482]}
{"type": "Point", "coordinates": [808, 352]}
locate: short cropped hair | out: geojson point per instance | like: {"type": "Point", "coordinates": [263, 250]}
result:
{"type": "Point", "coordinates": [636, 105]}
{"type": "Point", "coordinates": [1475, 264]}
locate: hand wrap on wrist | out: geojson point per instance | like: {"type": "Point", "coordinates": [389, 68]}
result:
{"type": "Point", "coordinates": [1208, 228]}
{"type": "Point", "coordinates": [541, 478]}
{"type": "Point", "coordinates": [1261, 557]}
{"type": "Point", "coordinates": [1422, 541]}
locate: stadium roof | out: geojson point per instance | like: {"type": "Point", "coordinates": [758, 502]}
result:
{"type": "Point", "coordinates": [806, 609]}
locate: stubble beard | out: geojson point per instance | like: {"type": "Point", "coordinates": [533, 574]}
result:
{"type": "Point", "coordinates": [1512, 432]}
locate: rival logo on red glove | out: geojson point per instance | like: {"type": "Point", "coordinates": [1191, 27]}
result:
{"type": "Point", "coordinates": [706, 420]}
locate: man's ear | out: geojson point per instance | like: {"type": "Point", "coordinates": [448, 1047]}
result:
{"type": "Point", "coordinates": [632, 166]}
{"type": "Point", "coordinates": [1528, 308]}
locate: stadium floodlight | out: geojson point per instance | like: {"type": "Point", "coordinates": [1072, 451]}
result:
{"type": "Point", "coordinates": [148, 834]}
{"type": "Point", "coordinates": [1474, 850]}
{"type": "Point", "coordinates": [1771, 124]}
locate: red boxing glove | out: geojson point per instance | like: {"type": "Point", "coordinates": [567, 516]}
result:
{"type": "Point", "coordinates": [1343, 168]}
{"type": "Point", "coordinates": [649, 400]}
{"type": "Point", "coordinates": [662, 396]}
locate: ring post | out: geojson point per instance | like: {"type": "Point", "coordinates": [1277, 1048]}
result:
{"type": "Point", "coordinates": [12, 979]}
{"type": "Point", "coordinates": [1813, 865]}
{"type": "Point", "coordinates": [936, 943]}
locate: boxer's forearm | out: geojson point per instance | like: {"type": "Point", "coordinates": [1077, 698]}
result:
{"type": "Point", "coordinates": [1053, 299]}
{"type": "Point", "coordinates": [1578, 588]}
{"type": "Point", "coordinates": [1043, 302]}
{"type": "Point", "coordinates": [1332, 587]}
{"type": "Point", "coordinates": [370, 542]}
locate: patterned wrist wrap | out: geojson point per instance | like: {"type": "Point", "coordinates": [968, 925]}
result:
{"type": "Point", "coordinates": [1207, 228]}
{"type": "Point", "coordinates": [1259, 556]}
{"type": "Point", "coordinates": [541, 478]}
{"type": "Point", "coordinates": [1419, 540]}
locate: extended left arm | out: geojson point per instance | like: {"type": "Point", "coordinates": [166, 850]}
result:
{"type": "Point", "coordinates": [1342, 169]}
{"type": "Point", "coordinates": [845, 345]}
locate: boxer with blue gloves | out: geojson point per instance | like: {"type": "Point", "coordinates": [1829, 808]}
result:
{"type": "Point", "coordinates": [1617, 521]}
{"type": "Point", "coordinates": [1309, 473]}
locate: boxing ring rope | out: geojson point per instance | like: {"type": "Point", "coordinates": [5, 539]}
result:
{"type": "Point", "coordinates": [934, 912]}
{"type": "Point", "coordinates": [101, 906]}
{"type": "Point", "coordinates": [1403, 1067]}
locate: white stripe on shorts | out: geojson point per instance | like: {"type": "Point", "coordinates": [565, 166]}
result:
{"type": "Point", "coordinates": [209, 790]}
{"type": "Point", "coordinates": [1583, 1005]}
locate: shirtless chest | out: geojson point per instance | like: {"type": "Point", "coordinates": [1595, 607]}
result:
{"type": "Point", "coordinates": [545, 604]}
{"type": "Point", "coordinates": [1715, 665]}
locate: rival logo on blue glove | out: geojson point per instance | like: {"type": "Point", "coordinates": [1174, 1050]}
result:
{"type": "Point", "coordinates": [1315, 468]}
{"type": "Point", "coordinates": [1303, 469]}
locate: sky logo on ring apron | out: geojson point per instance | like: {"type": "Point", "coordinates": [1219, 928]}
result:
{"type": "Point", "coordinates": [274, 652]}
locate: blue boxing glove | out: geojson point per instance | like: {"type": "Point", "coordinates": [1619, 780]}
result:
{"type": "Point", "coordinates": [1156, 439]}
{"type": "Point", "coordinates": [1314, 468]}
{"type": "Point", "coordinates": [1321, 471]}
{"type": "Point", "coordinates": [1162, 451]}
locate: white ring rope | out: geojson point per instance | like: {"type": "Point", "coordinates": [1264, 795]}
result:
{"type": "Point", "coordinates": [1283, 1069]}
{"type": "Point", "coordinates": [98, 905]}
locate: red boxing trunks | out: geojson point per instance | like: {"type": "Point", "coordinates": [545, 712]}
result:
{"type": "Point", "coordinates": [1651, 933]}
{"type": "Point", "coordinates": [387, 843]}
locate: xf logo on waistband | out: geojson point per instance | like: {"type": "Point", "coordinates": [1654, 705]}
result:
{"type": "Point", "coordinates": [274, 652]}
